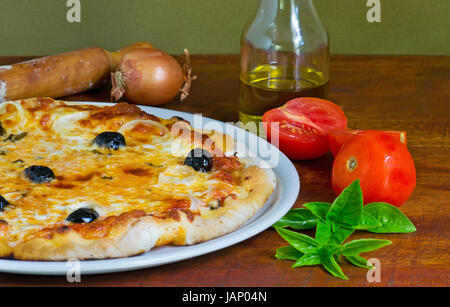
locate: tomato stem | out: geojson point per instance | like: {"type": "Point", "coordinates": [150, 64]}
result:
{"type": "Point", "coordinates": [352, 163]}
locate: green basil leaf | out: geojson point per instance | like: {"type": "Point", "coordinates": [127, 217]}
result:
{"type": "Point", "coordinates": [337, 256]}
{"type": "Point", "coordinates": [347, 207]}
{"type": "Point", "coordinates": [330, 250]}
{"type": "Point", "coordinates": [367, 222]}
{"type": "Point", "coordinates": [288, 253]}
{"type": "Point", "coordinates": [308, 259]}
{"type": "Point", "coordinates": [341, 235]}
{"type": "Point", "coordinates": [325, 234]}
{"type": "Point", "coordinates": [298, 219]}
{"type": "Point", "coordinates": [333, 249]}
{"type": "Point", "coordinates": [300, 241]}
{"type": "Point", "coordinates": [356, 247]}
{"type": "Point", "coordinates": [318, 209]}
{"type": "Point", "coordinates": [358, 261]}
{"type": "Point", "coordinates": [330, 264]}
{"type": "Point", "coordinates": [335, 226]}
{"type": "Point", "coordinates": [391, 218]}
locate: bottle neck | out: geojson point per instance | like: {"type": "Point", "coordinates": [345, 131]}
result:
{"type": "Point", "coordinates": [285, 5]}
{"type": "Point", "coordinates": [289, 24]}
{"type": "Point", "coordinates": [288, 12]}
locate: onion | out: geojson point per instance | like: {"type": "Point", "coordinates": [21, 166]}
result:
{"type": "Point", "coordinates": [151, 77]}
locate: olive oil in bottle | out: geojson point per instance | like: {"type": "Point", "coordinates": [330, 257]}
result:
{"type": "Point", "coordinates": [284, 55]}
{"type": "Point", "coordinates": [270, 86]}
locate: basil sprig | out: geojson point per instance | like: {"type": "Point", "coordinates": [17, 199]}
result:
{"type": "Point", "coordinates": [334, 223]}
{"type": "Point", "coordinates": [376, 217]}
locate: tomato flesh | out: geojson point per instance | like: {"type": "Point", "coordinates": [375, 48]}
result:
{"type": "Point", "coordinates": [382, 163]}
{"type": "Point", "coordinates": [300, 127]}
{"type": "Point", "coordinates": [338, 138]}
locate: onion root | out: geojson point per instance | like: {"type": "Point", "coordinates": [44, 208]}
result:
{"type": "Point", "coordinates": [187, 69]}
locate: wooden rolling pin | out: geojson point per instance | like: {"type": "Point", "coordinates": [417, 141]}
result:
{"type": "Point", "coordinates": [61, 75]}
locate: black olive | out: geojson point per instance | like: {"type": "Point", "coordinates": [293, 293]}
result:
{"type": "Point", "coordinates": [39, 174]}
{"type": "Point", "coordinates": [110, 140]}
{"type": "Point", "coordinates": [199, 159]}
{"type": "Point", "coordinates": [3, 203]}
{"type": "Point", "coordinates": [83, 215]}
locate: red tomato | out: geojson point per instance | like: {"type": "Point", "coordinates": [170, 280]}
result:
{"type": "Point", "coordinates": [338, 138]}
{"type": "Point", "coordinates": [303, 126]}
{"type": "Point", "coordinates": [382, 163]}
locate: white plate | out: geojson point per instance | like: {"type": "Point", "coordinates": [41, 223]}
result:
{"type": "Point", "coordinates": [286, 192]}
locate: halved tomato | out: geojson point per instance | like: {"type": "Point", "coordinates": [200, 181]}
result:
{"type": "Point", "coordinates": [338, 138]}
{"type": "Point", "coordinates": [300, 128]}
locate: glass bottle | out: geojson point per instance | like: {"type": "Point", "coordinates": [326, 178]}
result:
{"type": "Point", "coordinates": [284, 55]}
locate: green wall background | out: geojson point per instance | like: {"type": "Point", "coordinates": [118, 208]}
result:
{"type": "Point", "coordinates": [37, 27]}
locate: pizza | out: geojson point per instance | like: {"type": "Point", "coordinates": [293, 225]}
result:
{"type": "Point", "coordinates": [95, 182]}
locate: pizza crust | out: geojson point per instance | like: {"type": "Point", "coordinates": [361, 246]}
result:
{"type": "Point", "coordinates": [141, 234]}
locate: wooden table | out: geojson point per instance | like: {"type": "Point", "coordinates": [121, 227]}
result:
{"type": "Point", "coordinates": [409, 93]}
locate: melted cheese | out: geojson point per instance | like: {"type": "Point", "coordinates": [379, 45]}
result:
{"type": "Point", "coordinates": [145, 176]}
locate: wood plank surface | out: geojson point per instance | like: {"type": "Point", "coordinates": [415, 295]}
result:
{"type": "Point", "coordinates": [409, 93]}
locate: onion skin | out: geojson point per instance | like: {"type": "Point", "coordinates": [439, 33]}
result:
{"type": "Point", "coordinates": [117, 56]}
{"type": "Point", "coordinates": [148, 77]}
